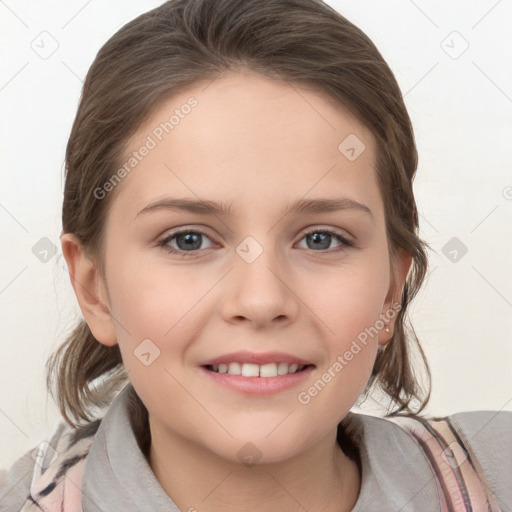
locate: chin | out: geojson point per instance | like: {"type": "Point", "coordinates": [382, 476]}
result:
{"type": "Point", "coordinates": [261, 448]}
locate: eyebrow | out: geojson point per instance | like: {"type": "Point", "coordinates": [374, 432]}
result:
{"type": "Point", "coordinates": [205, 207]}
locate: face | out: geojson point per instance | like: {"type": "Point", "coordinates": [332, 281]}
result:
{"type": "Point", "coordinates": [260, 283]}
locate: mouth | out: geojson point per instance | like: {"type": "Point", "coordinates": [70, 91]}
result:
{"type": "Point", "coordinates": [258, 373]}
{"type": "Point", "coordinates": [255, 370]}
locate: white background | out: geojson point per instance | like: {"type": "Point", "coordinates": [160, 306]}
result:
{"type": "Point", "coordinates": [461, 109]}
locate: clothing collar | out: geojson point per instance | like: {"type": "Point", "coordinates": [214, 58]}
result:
{"type": "Point", "coordinates": [395, 472]}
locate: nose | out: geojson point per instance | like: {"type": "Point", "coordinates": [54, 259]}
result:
{"type": "Point", "coordinates": [260, 292]}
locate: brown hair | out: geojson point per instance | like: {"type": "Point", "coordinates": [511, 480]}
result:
{"type": "Point", "coordinates": [182, 43]}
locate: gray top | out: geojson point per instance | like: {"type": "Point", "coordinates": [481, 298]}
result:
{"type": "Point", "coordinates": [396, 475]}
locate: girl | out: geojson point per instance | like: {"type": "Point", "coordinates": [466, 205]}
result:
{"type": "Point", "coordinates": [241, 234]}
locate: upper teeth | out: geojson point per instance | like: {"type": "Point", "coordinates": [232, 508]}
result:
{"type": "Point", "coordinates": [255, 370]}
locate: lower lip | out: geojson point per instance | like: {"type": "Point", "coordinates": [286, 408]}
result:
{"type": "Point", "coordinates": [259, 385]}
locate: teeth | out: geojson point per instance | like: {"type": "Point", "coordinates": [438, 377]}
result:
{"type": "Point", "coordinates": [254, 370]}
{"type": "Point", "coordinates": [250, 370]}
{"type": "Point", "coordinates": [268, 370]}
{"type": "Point", "coordinates": [234, 369]}
{"type": "Point", "coordinates": [282, 368]}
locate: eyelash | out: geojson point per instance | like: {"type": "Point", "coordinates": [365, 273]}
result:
{"type": "Point", "coordinates": [345, 243]}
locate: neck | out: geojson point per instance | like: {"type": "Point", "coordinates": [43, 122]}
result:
{"type": "Point", "coordinates": [323, 479]}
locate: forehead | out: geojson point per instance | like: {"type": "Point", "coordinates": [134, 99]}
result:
{"type": "Point", "coordinates": [249, 138]}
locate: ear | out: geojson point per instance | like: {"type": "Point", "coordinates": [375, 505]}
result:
{"type": "Point", "coordinates": [90, 290]}
{"type": "Point", "coordinates": [393, 301]}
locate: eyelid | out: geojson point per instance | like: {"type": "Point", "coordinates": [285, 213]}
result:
{"type": "Point", "coordinates": [169, 235]}
{"type": "Point", "coordinates": [330, 229]}
{"type": "Point", "coordinates": [347, 241]}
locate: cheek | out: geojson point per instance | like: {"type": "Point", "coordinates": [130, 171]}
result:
{"type": "Point", "coordinates": [349, 307]}
{"type": "Point", "coordinates": [153, 301]}
{"type": "Point", "coordinates": [156, 313]}
{"type": "Point", "coordinates": [350, 300]}
{"type": "Point", "coordinates": [349, 312]}
{"type": "Point", "coordinates": [152, 311]}
{"type": "Point", "coordinates": [337, 386]}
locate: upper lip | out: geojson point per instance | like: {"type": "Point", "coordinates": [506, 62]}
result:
{"type": "Point", "coordinates": [256, 358]}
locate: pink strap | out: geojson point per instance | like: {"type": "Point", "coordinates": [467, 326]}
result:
{"type": "Point", "coordinates": [57, 479]}
{"type": "Point", "coordinates": [460, 479]}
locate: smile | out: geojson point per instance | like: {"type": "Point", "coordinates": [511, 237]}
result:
{"type": "Point", "coordinates": [258, 380]}
{"type": "Point", "coordinates": [255, 370]}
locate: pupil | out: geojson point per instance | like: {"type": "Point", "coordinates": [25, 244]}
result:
{"type": "Point", "coordinates": [192, 241]}
{"type": "Point", "coordinates": [320, 237]}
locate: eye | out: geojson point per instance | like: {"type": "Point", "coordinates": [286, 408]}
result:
{"type": "Point", "coordinates": [186, 240]}
{"type": "Point", "coordinates": [322, 238]}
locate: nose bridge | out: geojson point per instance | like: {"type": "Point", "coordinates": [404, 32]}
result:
{"type": "Point", "coordinates": [259, 266]}
{"type": "Point", "coordinates": [260, 293]}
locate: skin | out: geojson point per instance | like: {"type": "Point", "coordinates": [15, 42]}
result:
{"type": "Point", "coordinates": [258, 143]}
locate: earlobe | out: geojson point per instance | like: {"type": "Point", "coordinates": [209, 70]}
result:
{"type": "Point", "coordinates": [90, 290]}
{"type": "Point", "coordinates": [392, 303]}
